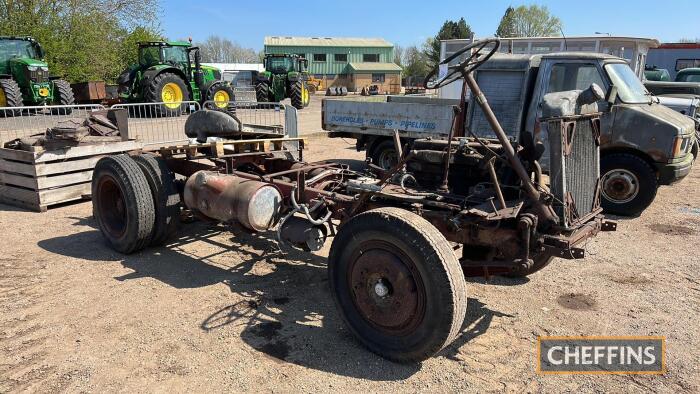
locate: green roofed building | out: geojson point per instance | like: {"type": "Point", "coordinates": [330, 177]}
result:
{"type": "Point", "coordinates": [350, 62]}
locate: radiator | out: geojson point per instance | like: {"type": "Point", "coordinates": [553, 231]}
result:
{"type": "Point", "coordinates": [574, 168]}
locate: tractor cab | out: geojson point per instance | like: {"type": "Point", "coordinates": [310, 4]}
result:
{"type": "Point", "coordinates": [24, 75]}
{"type": "Point", "coordinates": [283, 64]}
{"type": "Point", "coordinates": [176, 54]}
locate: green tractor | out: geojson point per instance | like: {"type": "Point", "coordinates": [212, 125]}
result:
{"type": "Point", "coordinates": [171, 73]}
{"type": "Point", "coordinates": [284, 76]}
{"type": "Point", "coordinates": [24, 77]}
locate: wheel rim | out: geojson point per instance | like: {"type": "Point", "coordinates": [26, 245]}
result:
{"type": "Point", "coordinates": [386, 288]}
{"type": "Point", "coordinates": [305, 95]}
{"type": "Point", "coordinates": [111, 206]}
{"type": "Point", "coordinates": [171, 95]}
{"type": "Point", "coordinates": [3, 98]}
{"type": "Point", "coordinates": [221, 99]}
{"type": "Point", "coordinates": [620, 186]}
{"type": "Point", "coordinates": [387, 159]}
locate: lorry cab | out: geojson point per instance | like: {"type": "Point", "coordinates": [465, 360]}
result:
{"type": "Point", "coordinates": [643, 144]}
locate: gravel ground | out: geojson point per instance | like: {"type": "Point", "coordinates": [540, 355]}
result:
{"type": "Point", "coordinates": [222, 310]}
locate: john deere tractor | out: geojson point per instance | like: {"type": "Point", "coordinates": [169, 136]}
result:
{"type": "Point", "coordinates": [171, 73]}
{"type": "Point", "coordinates": [284, 76]}
{"type": "Point", "coordinates": [24, 77]}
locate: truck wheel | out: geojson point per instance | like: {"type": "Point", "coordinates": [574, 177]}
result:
{"type": "Point", "coordinates": [297, 95]}
{"type": "Point", "coordinates": [122, 203]}
{"type": "Point", "coordinates": [166, 199]}
{"type": "Point", "coordinates": [222, 95]}
{"type": "Point", "coordinates": [383, 154]}
{"type": "Point", "coordinates": [539, 262]}
{"type": "Point", "coordinates": [262, 92]}
{"type": "Point", "coordinates": [10, 96]}
{"type": "Point", "coordinates": [397, 284]}
{"type": "Point", "coordinates": [62, 95]}
{"type": "Point", "coordinates": [628, 184]}
{"type": "Point", "coordinates": [169, 90]}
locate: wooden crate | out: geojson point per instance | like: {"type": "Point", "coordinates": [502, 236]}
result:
{"type": "Point", "coordinates": [35, 180]}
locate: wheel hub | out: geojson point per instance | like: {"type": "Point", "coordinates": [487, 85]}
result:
{"type": "Point", "coordinates": [620, 186]}
{"type": "Point", "coordinates": [387, 289]}
{"type": "Point", "coordinates": [111, 206]}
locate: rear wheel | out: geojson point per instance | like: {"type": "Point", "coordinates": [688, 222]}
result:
{"type": "Point", "coordinates": [397, 283]}
{"type": "Point", "coordinates": [383, 154]}
{"type": "Point", "coordinates": [122, 203]}
{"type": "Point", "coordinates": [297, 94]}
{"type": "Point", "coordinates": [10, 96]}
{"type": "Point", "coordinates": [628, 184]}
{"type": "Point", "coordinates": [169, 90]}
{"type": "Point", "coordinates": [166, 199]}
{"type": "Point", "coordinates": [262, 92]}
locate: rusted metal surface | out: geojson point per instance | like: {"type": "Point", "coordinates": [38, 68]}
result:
{"type": "Point", "coordinates": [388, 288]}
{"type": "Point", "coordinates": [254, 204]}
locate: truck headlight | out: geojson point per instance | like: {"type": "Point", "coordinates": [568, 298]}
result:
{"type": "Point", "coordinates": [680, 146]}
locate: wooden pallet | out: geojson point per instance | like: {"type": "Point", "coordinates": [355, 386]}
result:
{"type": "Point", "coordinates": [228, 148]}
{"type": "Point", "coordinates": [38, 179]}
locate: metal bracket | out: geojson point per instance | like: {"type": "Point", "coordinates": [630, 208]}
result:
{"type": "Point", "coordinates": [568, 129]}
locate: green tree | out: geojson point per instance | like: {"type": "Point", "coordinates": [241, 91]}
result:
{"type": "Point", "coordinates": [530, 21]}
{"type": "Point", "coordinates": [506, 28]}
{"type": "Point", "coordinates": [449, 30]}
{"type": "Point", "coordinates": [83, 39]}
{"type": "Point", "coordinates": [415, 63]}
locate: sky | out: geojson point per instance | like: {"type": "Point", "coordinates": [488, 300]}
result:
{"type": "Point", "coordinates": [410, 22]}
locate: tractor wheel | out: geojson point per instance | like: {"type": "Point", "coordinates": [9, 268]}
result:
{"type": "Point", "coordinates": [222, 95]}
{"type": "Point", "coordinates": [397, 283]}
{"type": "Point", "coordinates": [297, 94]}
{"type": "Point", "coordinates": [62, 95]}
{"type": "Point", "coordinates": [122, 203]}
{"type": "Point", "coordinates": [262, 92]}
{"type": "Point", "coordinates": [165, 196]}
{"type": "Point", "coordinates": [169, 90]}
{"type": "Point", "coordinates": [306, 96]}
{"type": "Point", "coordinates": [10, 96]}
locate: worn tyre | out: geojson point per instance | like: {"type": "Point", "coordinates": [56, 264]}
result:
{"type": "Point", "coordinates": [166, 199]}
{"type": "Point", "coordinates": [397, 284]}
{"type": "Point", "coordinates": [383, 154]}
{"type": "Point", "coordinates": [539, 263]}
{"type": "Point", "coordinates": [628, 184]}
{"type": "Point", "coordinates": [296, 94]}
{"type": "Point", "coordinates": [262, 92]}
{"type": "Point", "coordinates": [10, 96]}
{"type": "Point", "coordinates": [168, 89]}
{"type": "Point", "coordinates": [122, 203]}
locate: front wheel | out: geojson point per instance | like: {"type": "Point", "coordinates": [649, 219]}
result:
{"type": "Point", "coordinates": [222, 95]}
{"type": "Point", "coordinates": [397, 283]}
{"type": "Point", "coordinates": [10, 96]}
{"type": "Point", "coordinates": [297, 94]}
{"type": "Point", "coordinates": [62, 95]}
{"type": "Point", "coordinates": [262, 92]}
{"type": "Point", "coordinates": [383, 154]}
{"type": "Point", "coordinates": [170, 91]}
{"type": "Point", "coordinates": [628, 184]}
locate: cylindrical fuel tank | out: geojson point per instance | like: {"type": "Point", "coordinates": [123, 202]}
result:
{"type": "Point", "coordinates": [256, 205]}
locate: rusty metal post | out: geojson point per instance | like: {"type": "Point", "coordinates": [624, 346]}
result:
{"type": "Point", "coordinates": [496, 185]}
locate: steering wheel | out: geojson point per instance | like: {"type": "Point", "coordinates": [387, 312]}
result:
{"type": "Point", "coordinates": [477, 57]}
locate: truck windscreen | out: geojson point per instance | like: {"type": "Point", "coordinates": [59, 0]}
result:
{"type": "Point", "coordinates": [629, 88]}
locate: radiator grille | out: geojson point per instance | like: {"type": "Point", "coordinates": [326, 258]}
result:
{"type": "Point", "coordinates": [574, 172]}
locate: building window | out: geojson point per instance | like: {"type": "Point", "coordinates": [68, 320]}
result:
{"type": "Point", "coordinates": [302, 55]}
{"type": "Point", "coordinates": [340, 57]}
{"type": "Point", "coordinates": [378, 78]}
{"type": "Point", "coordinates": [319, 57]}
{"type": "Point", "coordinates": [370, 57]}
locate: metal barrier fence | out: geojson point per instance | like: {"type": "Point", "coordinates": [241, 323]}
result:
{"type": "Point", "coordinates": [20, 122]}
{"type": "Point", "coordinates": [158, 123]}
{"type": "Point", "coordinates": [153, 123]}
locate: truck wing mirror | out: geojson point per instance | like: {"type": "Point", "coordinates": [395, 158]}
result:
{"type": "Point", "coordinates": [612, 96]}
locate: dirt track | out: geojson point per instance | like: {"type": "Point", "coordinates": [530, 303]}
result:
{"type": "Point", "coordinates": [222, 310]}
